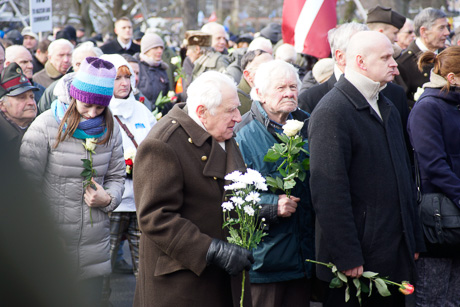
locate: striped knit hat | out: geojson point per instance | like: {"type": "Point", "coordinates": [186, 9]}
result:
{"type": "Point", "coordinates": [93, 83]}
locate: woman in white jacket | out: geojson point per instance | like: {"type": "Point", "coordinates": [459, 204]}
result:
{"type": "Point", "coordinates": [135, 120]}
{"type": "Point", "coordinates": [81, 184]}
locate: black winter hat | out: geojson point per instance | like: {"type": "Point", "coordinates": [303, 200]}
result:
{"type": "Point", "coordinates": [385, 15]}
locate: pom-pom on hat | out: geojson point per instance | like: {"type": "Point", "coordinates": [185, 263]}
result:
{"type": "Point", "coordinates": [93, 83]}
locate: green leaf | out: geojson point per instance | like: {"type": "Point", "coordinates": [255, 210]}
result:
{"type": "Point", "coordinates": [283, 137]}
{"type": "Point", "coordinates": [364, 287]}
{"type": "Point", "coordinates": [271, 156]}
{"type": "Point", "coordinates": [289, 184]}
{"type": "Point", "coordinates": [358, 289]}
{"type": "Point", "coordinates": [335, 283]}
{"type": "Point", "coordinates": [370, 288]}
{"type": "Point", "coordinates": [280, 183]}
{"type": "Point", "coordinates": [86, 163]}
{"type": "Point", "coordinates": [369, 274]}
{"type": "Point", "coordinates": [279, 148]}
{"type": "Point", "coordinates": [306, 164]}
{"type": "Point", "coordinates": [347, 293]}
{"type": "Point", "coordinates": [302, 176]}
{"type": "Point", "coordinates": [86, 173]}
{"type": "Point", "coordinates": [295, 151]}
{"type": "Point", "coordinates": [283, 173]}
{"type": "Point", "coordinates": [342, 276]}
{"type": "Point", "coordinates": [272, 182]}
{"type": "Point", "coordinates": [382, 287]}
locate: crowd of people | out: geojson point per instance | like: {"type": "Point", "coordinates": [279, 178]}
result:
{"type": "Point", "coordinates": [116, 158]}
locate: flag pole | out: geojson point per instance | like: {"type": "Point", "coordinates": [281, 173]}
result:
{"type": "Point", "coordinates": [361, 9]}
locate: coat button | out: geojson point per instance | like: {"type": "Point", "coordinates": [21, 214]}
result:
{"type": "Point", "coordinates": [190, 140]}
{"type": "Point", "coordinates": [237, 144]}
{"type": "Point", "coordinates": [204, 158]}
{"type": "Point", "coordinates": [425, 74]}
{"type": "Point", "coordinates": [410, 52]}
{"type": "Point", "coordinates": [173, 121]}
{"type": "Point", "coordinates": [215, 178]}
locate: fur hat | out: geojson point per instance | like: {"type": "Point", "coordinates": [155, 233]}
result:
{"type": "Point", "coordinates": [94, 81]}
{"type": "Point", "coordinates": [198, 38]}
{"type": "Point", "coordinates": [149, 41]}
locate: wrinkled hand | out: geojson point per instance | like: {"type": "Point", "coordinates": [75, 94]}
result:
{"type": "Point", "coordinates": [287, 206]}
{"type": "Point", "coordinates": [230, 257]}
{"type": "Point", "coordinates": [355, 272]}
{"type": "Point", "coordinates": [98, 197]}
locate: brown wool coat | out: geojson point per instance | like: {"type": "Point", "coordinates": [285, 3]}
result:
{"type": "Point", "coordinates": [178, 186]}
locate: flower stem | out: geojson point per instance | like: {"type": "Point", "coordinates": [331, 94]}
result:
{"type": "Point", "coordinates": [242, 289]}
{"type": "Point", "coordinates": [322, 263]}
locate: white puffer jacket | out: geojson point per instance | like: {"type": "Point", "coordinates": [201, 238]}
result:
{"type": "Point", "coordinates": [57, 172]}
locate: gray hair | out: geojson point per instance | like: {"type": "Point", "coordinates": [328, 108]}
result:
{"type": "Point", "coordinates": [261, 43]}
{"type": "Point", "coordinates": [12, 52]}
{"type": "Point", "coordinates": [206, 91]}
{"type": "Point", "coordinates": [85, 47]}
{"type": "Point", "coordinates": [287, 53]}
{"type": "Point", "coordinates": [269, 70]}
{"type": "Point", "coordinates": [339, 37]}
{"type": "Point", "coordinates": [426, 18]}
{"type": "Point", "coordinates": [55, 45]}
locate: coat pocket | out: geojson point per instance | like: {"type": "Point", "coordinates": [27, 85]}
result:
{"type": "Point", "coordinates": [166, 265]}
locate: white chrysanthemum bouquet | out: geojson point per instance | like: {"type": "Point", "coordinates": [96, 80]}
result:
{"type": "Point", "coordinates": [241, 212]}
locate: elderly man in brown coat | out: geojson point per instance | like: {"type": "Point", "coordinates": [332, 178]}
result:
{"type": "Point", "coordinates": [178, 186]}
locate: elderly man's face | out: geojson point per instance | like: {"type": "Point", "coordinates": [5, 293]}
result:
{"type": "Point", "coordinates": [61, 59]}
{"type": "Point", "coordinates": [406, 35]}
{"type": "Point", "coordinates": [21, 109]}
{"type": "Point", "coordinates": [79, 57]}
{"type": "Point", "coordinates": [219, 42]}
{"type": "Point", "coordinates": [226, 115]}
{"type": "Point", "coordinates": [280, 96]}
{"type": "Point", "coordinates": [24, 60]}
{"type": "Point", "coordinates": [435, 37]}
{"type": "Point", "coordinates": [379, 63]}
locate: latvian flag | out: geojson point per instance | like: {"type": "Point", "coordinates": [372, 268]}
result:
{"type": "Point", "coordinates": [306, 23]}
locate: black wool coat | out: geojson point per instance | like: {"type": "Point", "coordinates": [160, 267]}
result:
{"type": "Point", "coordinates": [361, 185]}
{"type": "Point", "coordinates": [114, 46]}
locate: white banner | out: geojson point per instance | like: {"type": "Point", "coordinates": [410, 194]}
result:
{"type": "Point", "coordinates": [41, 15]}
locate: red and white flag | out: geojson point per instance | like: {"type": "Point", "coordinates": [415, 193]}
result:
{"type": "Point", "coordinates": [306, 23]}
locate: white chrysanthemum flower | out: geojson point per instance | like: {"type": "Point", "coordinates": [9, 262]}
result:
{"type": "Point", "coordinates": [292, 127]}
{"type": "Point", "coordinates": [261, 186]}
{"type": "Point", "coordinates": [227, 206]}
{"type": "Point", "coordinates": [263, 219]}
{"type": "Point", "coordinates": [249, 210]}
{"type": "Point", "coordinates": [237, 200]}
{"type": "Point", "coordinates": [235, 186]}
{"type": "Point", "coordinates": [234, 176]}
{"type": "Point", "coordinates": [253, 197]}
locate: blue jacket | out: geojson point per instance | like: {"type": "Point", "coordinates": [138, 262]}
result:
{"type": "Point", "coordinates": [434, 131]}
{"type": "Point", "coordinates": [281, 254]}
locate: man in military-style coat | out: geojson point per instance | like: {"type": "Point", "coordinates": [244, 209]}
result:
{"type": "Point", "coordinates": [179, 188]}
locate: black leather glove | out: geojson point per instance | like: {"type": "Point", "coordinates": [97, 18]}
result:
{"type": "Point", "coordinates": [230, 257]}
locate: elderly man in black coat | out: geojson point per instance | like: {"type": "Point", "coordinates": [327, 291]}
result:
{"type": "Point", "coordinates": [361, 183]}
